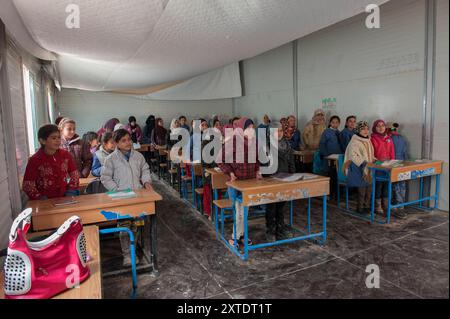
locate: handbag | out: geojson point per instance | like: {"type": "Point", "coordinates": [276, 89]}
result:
{"type": "Point", "coordinates": [43, 269]}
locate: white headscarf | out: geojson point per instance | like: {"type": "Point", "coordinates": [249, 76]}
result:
{"type": "Point", "coordinates": [118, 126]}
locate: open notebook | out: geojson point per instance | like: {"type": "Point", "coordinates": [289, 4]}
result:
{"type": "Point", "coordinates": [286, 177]}
{"type": "Point", "coordinates": [127, 193]}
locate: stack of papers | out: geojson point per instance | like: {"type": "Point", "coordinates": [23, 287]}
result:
{"type": "Point", "coordinates": [285, 177]}
{"type": "Point", "coordinates": [128, 193]}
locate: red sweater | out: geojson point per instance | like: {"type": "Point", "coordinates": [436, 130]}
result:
{"type": "Point", "coordinates": [50, 175]}
{"type": "Point", "coordinates": [383, 146]}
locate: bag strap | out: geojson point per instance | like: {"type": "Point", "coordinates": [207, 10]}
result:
{"type": "Point", "coordinates": [24, 217]}
{"type": "Point", "coordinates": [65, 226]}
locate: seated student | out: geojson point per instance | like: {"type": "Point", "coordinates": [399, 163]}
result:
{"type": "Point", "coordinates": [276, 229]}
{"type": "Point", "coordinates": [108, 146]}
{"type": "Point", "coordinates": [329, 144]}
{"type": "Point", "coordinates": [401, 153]}
{"type": "Point", "coordinates": [134, 129]}
{"type": "Point", "coordinates": [358, 154]}
{"type": "Point", "coordinates": [123, 169]}
{"type": "Point", "coordinates": [90, 145]}
{"type": "Point", "coordinates": [51, 171]}
{"type": "Point", "coordinates": [346, 134]}
{"type": "Point", "coordinates": [71, 142]}
{"type": "Point", "coordinates": [241, 171]}
{"type": "Point", "coordinates": [182, 119]}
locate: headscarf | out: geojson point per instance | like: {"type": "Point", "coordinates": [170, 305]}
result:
{"type": "Point", "coordinates": [359, 127]}
{"type": "Point", "coordinates": [374, 128]}
{"type": "Point", "coordinates": [118, 126]}
{"type": "Point", "coordinates": [172, 124]}
{"type": "Point", "coordinates": [160, 132]}
{"type": "Point", "coordinates": [150, 125]}
{"type": "Point", "coordinates": [109, 126]}
{"type": "Point", "coordinates": [288, 131]}
{"type": "Point", "coordinates": [130, 120]}
{"type": "Point", "coordinates": [318, 117]}
{"type": "Point", "coordinates": [65, 121]}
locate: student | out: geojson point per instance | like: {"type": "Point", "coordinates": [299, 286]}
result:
{"type": "Point", "coordinates": [90, 145]}
{"type": "Point", "coordinates": [346, 134]}
{"type": "Point", "coordinates": [276, 229]}
{"type": "Point", "coordinates": [51, 172]}
{"type": "Point", "coordinates": [328, 145]}
{"type": "Point", "coordinates": [206, 178]}
{"type": "Point", "coordinates": [174, 129]}
{"type": "Point", "coordinates": [148, 129]}
{"type": "Point", "coordinates": [313, 130]}
{"type": "Point", "coordinates": [217, 125]}
{"type": "Point", "coordinates": [241, 171]}
{"type": "Point", "coordinates": [401, 153]}
{"type": "Point", "coordinates": [234, 121]}
{"type": "Point", "coordinates": [108, 127]}
{"type": "Point", "coordinates": [125, 169]}
{"type": "Point", "coordinates": [118, 126]}
{"type": "Point", "coordinates": [159, 134]}
{"type": "Point", "coordinates": [291, 133]}
{"type": "Point", "coordinates": [108, 146]}
{"type": "Point", "coordinates": [134, 129]}
{"type": "Point", "coordinates": [182, 119]}
{"type": "Point", "coordinates": [72, 143]}
{"type": "Point", "coordinates": [384, 150]}
{"type": "Point", "coordinates": [265, 123]}
{"type": "Point", "coordinates": [358, 154]}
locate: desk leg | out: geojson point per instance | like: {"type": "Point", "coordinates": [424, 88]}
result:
{"type": "Point", "coordinates": [309, 216]}
{"type": "Point", "coordinates": [291, 219]}
{"type": "Point", "coordinates": [153, 243]}
{"type": "Point", "coordinates": [216, 214]}
{"type": "Point", "coordinates": [245, 232]}
{"type": "Point", "coordinates": [389, 199]}
{"type": "Point", "coordinates": [324, 212]}
{"type": "Point", "coordinates": [372, 208]}
{"type": "Point", "coordinates": [436, 199]}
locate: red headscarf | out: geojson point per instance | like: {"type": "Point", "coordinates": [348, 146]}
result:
{"type": "Point", "coordinates": [374, 127]}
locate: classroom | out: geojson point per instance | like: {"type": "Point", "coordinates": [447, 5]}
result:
{"type": "Point", "coordinates": [226, 149]}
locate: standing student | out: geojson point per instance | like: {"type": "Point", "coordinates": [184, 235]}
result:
{"type": "Point", "coordinates": [291, 133]}
{"type": "Point", "coordinates": [183, 122]}
{"type": "Point", "coordinates": [358, 154]}
{"type": "Point", "coordinates": [148, 129]}
{"type": "Point", "coordinates": [328, 145]}
{"type": "Point", "coordinates": [346, 134]}
{"type": "Point", "coordinates": [313, 130]}
{"type": "Point", "coordinates": [134, 129]}
{"type": "Point", "coordinates": [71, 142]}
{"type": "Point", "coordinates": [51, 171]}
{"type": "Point", "coordinates": [401, 153]}
{"type": "Point", "coordinates": [384, 150]}
{"type": "Point", "coordinates": [107, 147]}
{"type": "Point", "coordinates": [159, 134]}
{"type": "Point", "coordinates": [275, 227]}
{"type": "Point", "coordinates": [241, 171]}
{"type": "Point", "coordinates": [125, 169]}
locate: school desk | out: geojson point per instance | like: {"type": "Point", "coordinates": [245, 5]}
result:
{"type": "Point", "coordinates": [145, 148]}
{"type": "Point", "coordinates": [305, 156]}
{"type": "Point", "coordinates": [91, 288]}
{"type": "Point", "coordinates": [408, 170]}
{"type": "Point", "coordinates": [218, 183]}
{"type": "Point", "coordinates": [100, 208]}
{"type": "Point", "coordinates": [269, 190]}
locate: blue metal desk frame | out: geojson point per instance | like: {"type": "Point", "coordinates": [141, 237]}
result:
{"type": "Point", "coordinates": [237, 197]}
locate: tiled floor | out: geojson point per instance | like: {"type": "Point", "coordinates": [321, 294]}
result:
{"type": "Point", "coordinates": [412, 256]}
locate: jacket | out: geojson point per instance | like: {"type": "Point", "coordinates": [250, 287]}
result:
{"type": "Point", "coordinates": [358, 154]}
{"type": "Point", "coordinates": [286, 159]}
{"type": "Point", "coordinates": [311, 135]}
{"type": "Point", "coordinates": [383, 147]}
{"type": "Point", "coordinates": [329, 144]}
{"type": "Point", "coordinates": [344, 138]}
{"type": "Point", "coordinates": [400, 146]}
{"type": "Point", "coordinates": [99, 161]}
{"type": "Point", "coordinates": [118, 173]}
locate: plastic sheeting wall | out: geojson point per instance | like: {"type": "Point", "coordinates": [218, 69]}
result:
{"type": "Point", "coordinates": [441, 116]}
{"type": "Point", "coordinates": [267, 85]}
{"type": "Point", "coordinates": [92, 109]}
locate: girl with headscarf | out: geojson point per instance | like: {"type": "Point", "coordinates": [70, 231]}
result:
{"type": "Point", "coordinates": [358, 154]}
{"type": "Point", "coordinates": [313, 130]}
{"type": "Point", "coordinates": [240, 170]}
{"type": "Point", "coordinates": [134, 129]}
{"type": "Point", "coordinates": [383, 147]}
{"type": "Point", "coordinates": [174, 129]}
{"type": "Point", "coordinates": [159, 134]}
{"type": "Point", "coordinates": [291, 133]}
{"type": "Point", "coordinates": [148, 129]}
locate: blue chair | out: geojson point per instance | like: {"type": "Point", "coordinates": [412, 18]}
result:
{"type": "Point", "coordinates": [341, 181]}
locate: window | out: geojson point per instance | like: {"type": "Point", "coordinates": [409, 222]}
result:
{"type": "Point", "coordinates": [30, 109]}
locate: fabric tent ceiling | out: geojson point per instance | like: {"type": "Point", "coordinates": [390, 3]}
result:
{"type": "Point", "coordinates": [135, 44]}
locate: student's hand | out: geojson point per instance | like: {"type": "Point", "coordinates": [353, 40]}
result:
{"type": "Point", "coordinates": [233, 177]}
{"type": "Point", "coordinates": [259, 175]}
{"type": "Point", "coordinates": [148, 186]}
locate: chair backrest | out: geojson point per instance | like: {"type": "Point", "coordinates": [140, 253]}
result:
{"type": "Point", "coordinates": [340, 169]}
{"type": "Point", "coordinates": [95, 187]}
{"type": "Point", "coordinates": [218, 181]}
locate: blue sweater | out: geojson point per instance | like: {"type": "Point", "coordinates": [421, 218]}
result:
{"type": "Point", "coordinates": [329, 144]}
{"type": "Point", "coordinates": [295, 141]}
{"type": "Point", "coordinates": [344, 138]}
{"type": "Point", "coordinates": [400, 146]}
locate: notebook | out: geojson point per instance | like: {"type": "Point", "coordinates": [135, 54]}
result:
{"type": "Point", "coordinates": [286, 177]}
{"type": "Point", "coordinates": [127, 193]}
{"type": "Point", "coordinates": [64, 201]}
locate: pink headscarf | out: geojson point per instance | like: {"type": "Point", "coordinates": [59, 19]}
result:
{"type": "Point", "coordinates": [374, 127]}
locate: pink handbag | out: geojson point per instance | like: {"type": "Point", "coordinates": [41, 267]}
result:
{"type": "Point", "coordinates": [40, 270]}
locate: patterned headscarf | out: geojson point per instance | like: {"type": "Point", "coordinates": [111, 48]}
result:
{"type": "Point", "coordinates": [289, 130]}
{"type": "Point", "coordinates": [359, 126]}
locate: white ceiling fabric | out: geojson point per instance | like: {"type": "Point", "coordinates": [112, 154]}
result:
{"type": "Point", "coordinates": [124, 44]}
